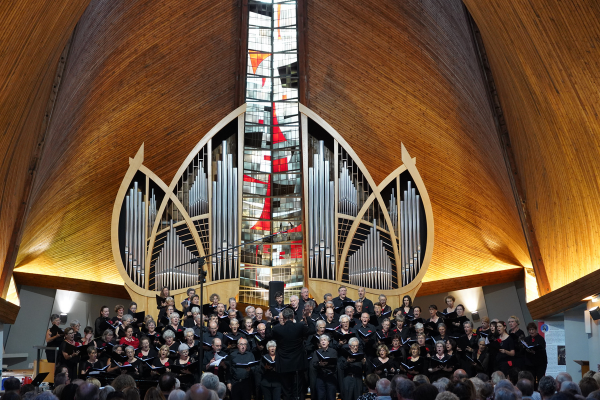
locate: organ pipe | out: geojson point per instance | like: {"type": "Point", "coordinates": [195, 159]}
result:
{"type": "Point", "coordinates": [135, 235]}
{"type": "Point", "coordinates": [370, 265]}
{"type": "Point", "coordinates": [347, 192]}
{"type": "Point", "coordinates": [174, 252]}
{"type": "Point", "coordinates": [198, 192]}
{"type": "Point", "coordinates": [410, 228]}
{"type": "Point", "coordinates": [225, 218]}
{"type": "Point", "coordinates": [321, 198]}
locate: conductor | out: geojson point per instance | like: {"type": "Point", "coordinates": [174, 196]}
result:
{"type": "Point", "coordinates": [291, 356]}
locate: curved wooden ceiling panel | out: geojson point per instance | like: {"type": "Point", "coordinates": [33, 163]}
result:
{"type": "Point", "coordinates": [32, 37]}
{"type": "Point", "coordinates": [544, 58]}
{"type": "Point", "coordinates": [387, 72]}
{"type": "Point", "coordinates": [162, 73]}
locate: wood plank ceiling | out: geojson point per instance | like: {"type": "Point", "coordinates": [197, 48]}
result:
{"type": "Point", "coordinates": [392, 72]}
{"type": "Point", "coordinates": [162, 73]}
{"type": "Point", "coordinates": [544, 57]}
{"type": "Point", "coordinates": [32, 37]}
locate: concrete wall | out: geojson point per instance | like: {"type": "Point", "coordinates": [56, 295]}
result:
{"type": "Point", "coordinates": [37, 304]}
{"type": "Point", "coordinates": [576, 340]}
{"type": "Point", "coordinates": [502, 301]}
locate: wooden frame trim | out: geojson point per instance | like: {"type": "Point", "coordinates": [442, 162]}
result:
{"type": "Point", "coordinates": [471, 281]}
{"type": "Point", "coordinates": [565, 297]}
{"type": "Point", "coordinates": [242, 49]}
{"type": "Point", "coordinates": [76, 285]}
{"type": "Point", "coordinates": [8, 312]}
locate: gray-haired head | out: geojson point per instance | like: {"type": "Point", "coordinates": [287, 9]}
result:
{"type": "Point", "coordinates": [188, 330]}
{"type": "Point", "coordinates": [344, 317]}
{"type": "Point", "coordinates": [271, 343]}
{"type": "Point", "coordinates": [294, 297]}
{"type": "Point", "coordinates": [570, 387]}
{"type": "Point", "coordinates": [321, 323]}
{"type": "Point", "coordinates": [383, 387]}
{"type": "Point", "coordinates": [168, 334]}
{"type": "Point", "coordinates": [183, 347]}
{"type": "Point", "coordinates": [128, 318]}
{"type": "Point", "coordinates": [353, 341]}
{"type": "Point", "coordinates": [405, 389]}
{"type": "Point", "coordinates": [129, 348]}
{"type": "Point", "coordinates": [504, 394]}
{"type": "Point", "coordinates": [547, 386]}
{"type": "Point", "coordinates": [74, 323]}
{"type": "Point", "coordinates": [210, 381]}
{"type": "Point", "coordinates": [47, 395]}
{"type": "Point", "coordinates": [221, 390]}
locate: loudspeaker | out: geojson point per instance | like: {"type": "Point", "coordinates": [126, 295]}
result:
{"type": "Point", "coordinates": [595, 313]}
{"type": "Point", "coordinates": [274, 286]}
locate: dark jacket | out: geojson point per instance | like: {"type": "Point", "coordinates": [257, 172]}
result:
{"type": "Point", "coordinates": [291, 355]}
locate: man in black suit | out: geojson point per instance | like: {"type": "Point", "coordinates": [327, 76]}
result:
{"type": "Point", "coordinates": [338, 302]}
{"type": "Point", "coordinates": [367, 304]}
{"type": "Point", "coordinates": [291, 354]}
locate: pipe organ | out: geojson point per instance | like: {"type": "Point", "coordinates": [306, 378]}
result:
{"type": "Point", "coordinates": [225, 222]}
{"type": "Point", "coordinates": [410, 225]}
{"type": "Point", "coordinates": [321, 212]}
{"type": "Point", "coordinates": [173, 253]}
{"type": "Point", "coordinates": [370, 265]}
{"type": "Point", "coordinates": [307, 185]}
{"type": "Point", "coordinates": [135, 236]}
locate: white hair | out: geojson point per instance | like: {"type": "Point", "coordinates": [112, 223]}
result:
{"type": "Point", "coordinates": [183, 347]}
{"type": "Point", "coordinates": [353, 341]}
{"type": "Point", "coordinates": [326, 337]}
{"type": "Point", "coordinates": [294, 297]}
{"type": "Point", "coordinates": [344, 316]}
{"type": "Point", "coordinates": [271, 343]}
{"type": "Point", "coordinates": [129, 348]}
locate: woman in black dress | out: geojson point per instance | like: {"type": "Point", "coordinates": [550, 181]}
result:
{"type": "Point", "coordinates": [136, 365]}
{"type": "Point", "coordinates": [493, 345]}
{"type": "Point", "coordinates": [383, 365]}
{"type": "Point", "coordinates": [443, 335]}
{"type": "Point", "coordinates": [120, 310]}
{"type": "Point", "coordinates": [440, 364]}
{"type": "Point", "coordinates": [92, 362]}
{"type": "Point", "coordinates": [69, 360]}
{"type": "Point", "coordinates": [506, 352]}
{"type": "Point", "coordinates": [270, 381]}
{"type": "Point", "coordinates": [54, 337]}
{"type": "Point", "coordinates": [481, 358]}
{"type": "Point", "coordinates": [414, 364]}
{"type": "Point", "coordinates": [468, 344]}
{"type": "Point", "coordinates": [536, 353]}
{"type": "Point", "coordinates": [407, 308]}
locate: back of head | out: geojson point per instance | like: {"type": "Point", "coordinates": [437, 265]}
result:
{"type": "Point", "coordinates": [483, 377]}
{"type": "Point", "coordinates": [425, 391]}
{"type": "Point", "coordinates": [563, 396]}
{"type": "Point", "coordinates": [446, 396]}
{"type": "Point", "coordinates": [288, 314]}
{"type": "Point", "coordinates": [105, 391]}
{"type": "Point", "coordinates": [464, 390]}
{"type": "Point", "coordinates": [58, 390]}
{"type": "Point", "coordinates": [222, 390]}
{"type": "Point", "coordinates": [115, 396]}
{"type": "Point", "coordinates": [526, 375]}
{"type": "Point", "coordinates": [11, 396]}
{"type": "Point", "coordinates": [153, 394]}
{"type": "Point", "coordinates": [405, 389]}
{"type": "Point", "coordinates": [440, 385]}
{"type": "Point", "coordinates": [371, 381]}
{"type": "Point", "coordinates": [459, 374]}
{"type": "Point", "coordinates": [525, 386]}
{"type": "Point", "coordinates": [504, 384]}
{"type": "Point", "coordinates": [199, 392]}
{"type": "Point", "coordinates": [210, 381]}
{"type": "Point", "coordinates": [69, 391]}
{"type": "Point", "coordinates": [513, 375]}
{"type": "Point", "coordinates": [487, 391]}
{"type": "Point", "coordinates": [122, 382]}
{"type": "Point", "coordinates": [131, 393]}
{"type": "Point", "coordinates": [597, 377]}
{"type": "Point", "coordinates": [595, 395]}
{"type": "Point", "coordinates": [588, 385]}
{"type": "Point", "coordinates": [87, 391]}
{"type": "Point", "coordinates": [383, 387]}
{"type": "Point", "coordinates": [26, 388]}
{"type": "Point", "coordinates": [570, 387]}
{"type": "Point", "coordinates": [166, 382]}
{"type": "Point", "coordinates": [547, 386]}
{"type": "Point", "coordinates": [497, 376]}
{"type": "Point", "coordinates": [60, 379]}
{"type": "Point", "coordinates": [478, 384]}
{"type": "Point", "coordinates": [177, 394]}
{"type": "Point", "coordinates": [505, 394]}
{"type": "Point", "coordinates": [420, 379]}
{"type": "Point", "coordinates": [12, 384]}
{"type": "Point", "coordinates": [47, 395]}
{"type": "Point", "coordinates": [563, 377]}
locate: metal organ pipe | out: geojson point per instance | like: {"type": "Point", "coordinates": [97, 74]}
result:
{"type": "Point", "coordinates": [198, 192]}
{"type": "Point", "coordinates": [225, 217]}
{"type": "Point", "coordinates": [347, 192]}
{"type": "Point", "coordinates": [370, 265]}
{"type": "Point", "coordinates": [321, 198]}
{"type": "Point", "coordinates": [135, 238]}
{"type": "Point", "coordinates": [410, 229]}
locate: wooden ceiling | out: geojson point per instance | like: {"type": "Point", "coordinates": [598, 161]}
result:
{"type": "Point", "coordinates": [410, 74]}
{"type": "Point", "coordinates": [164, 73]}
{"type": "Point", "coordinates": [544, 56]}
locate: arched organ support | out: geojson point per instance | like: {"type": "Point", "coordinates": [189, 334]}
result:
{"type": "Point", "coordinates": [347, 192]}
{"type": "Point", "coordinates": [410, 226]}
{"type": "Point", "coordinates": [174, 252]}
{"type": "Point", "coordinates": [135, 235]}
{"type": "Point", "coordinates": [321, 214]}
{"type": "Point", "coordinates": [225, 221]}
{"type": "Point", "coordinates": [370, 265]}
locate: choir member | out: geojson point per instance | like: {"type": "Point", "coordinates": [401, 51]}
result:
{"type": "Point", "coordinates": [383, 365]}
{"type": "Point", "coordinates": [414, 364]}
{"type": "Point", "coordinates": [166, 311]}
{"type": "Point", "coordinates": [449, 300]}
{"type": "Point", "coordinates": [192, 343]}
{"type": "Point", "coordinates": [442, 333]}
{"type": "Point", "coordinates": [304, 297]}
{"type": "Point", "coordinates": [325, 366]}
{"type": "Point", "coordinates": [193, 303]}
{"type": "Point", "coordinates": [352, 369]}
{"type": "Point", "coordinates": [146, 351]}
{"type": "Point", "coordinates": [248, 329]}
{"type": "Point", "coordinates": [69, 360]}
{"type": "Point", "coordinates": [233, 336]}
{"type": "Point", "coordinates": [384, 334]}
{"type": "Point", "coordinates": [397, 351]}
{"type": "Point", "coordinates": [367, 305]}
{"type": "Point", "coordinates": [125, 322]}
{"type": "Point", "coordinates": [480, 358]}
{"type": "Point", "coordinates": [164, 294]}
{"type": "Point", "coordinates": [75, 325]}
{"type": "Point", "coordinates": [99, 323]}
{"type": "Point", "coordinates": [169, 337]}
{"type": "Point", "coordinates": [295, 305]}
{"type": "Point", "coordinates": [136, 365]}
{"type": "Point", "coordinates": [425, 349]}
{"type": "Point", "coordinates": [466, 345]}
{"type": "Point", "coordinates": [358, 310]}
{"type": "Point", "coordinates": [386, 310]}
{"type": "Point", "coordinates": [330, 322]}
{"type": "Point", "coordinates": [189, 322]}
{"type": "Point", "coordinates": [54, 337]}
{"type": "Point", "coordinates": [492, 346]}
{"type": "Point", "coordinates": [185, 361]}
{"type": "Point", "coordinates": [259, 317]}
{"type": "Point", "coordinates": [113, 361]}
{"type": "Point", "coordinates": [278, 306]}
{"type": "Point", "coordinates": [214, 302]}
{"type": "Point", "coordinates": [313, 343]}
{"type": "Point", "coordinates": [517, 335]}
{"type": "Point", "coordinates": [344, 330]}
{"type": "Point", "coordinates": [270, 381]}
{"type": "Point", "coordinates": [505, 355]}
{"type": "Point", "coordinates": [174, 324]}
{"type": "Point", "coordinates": [233, 307]}
{"type": "Point", "coordinates": [338, 302]}
{"type": "Point", "coordinates": [407, 308]}
{"type": "Point", "coordinates": [199, 327]}
{"type": "Point", "coordinates": [212, 333]}
{"type": "Point", "coordinates": [92, 361]}
{"type": "Point", "coordinates": [536, 353]}
{"type": "Point", "coordinates": [260, 339]}
{"type": "Point", "coordinates": [239, 374]}
{"type": "Point", "coordinates": [417, 317]}
{"type": "Point", "coordinates": [104, 345]}
{"type": "Point", "coordinates": [212, 356]}
{"type": "Point", "coordinates": [377, 307]}
{"type": "Point", "coordinates": [456, 325]}
{"type": "Point", "coordinates": [119, 309]}
{"type": "Point", "coordinates": [191, 292]}
{"type": "Point", "coordinates": [484, 329]}
{"type": "Point", "coordinates": [451, 350]}
{"type": "Point", "coordinates": [327, 297]}
{"type": "Point", "coordinates": [434, 319]}
{"type": "Point", "coordinates": [440, 364]}
{"type": "Point", "coordinates": [129, 339]}
{"type": "Point", "coordinates": [399, 327]}
{"type": "Point", "coordinates": [366, 333]}
{"type": "Point", "coordinates": [152, 333]}
{"type": "Point", "coordinates": [88, 335]}
{"type": "Point", "coordinates": [163, 359]}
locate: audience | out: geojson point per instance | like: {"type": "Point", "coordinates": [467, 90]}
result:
{"type": "Point", "coordinates": [383, 389]}
{"type": "Point", "coordinates": [425, 391]}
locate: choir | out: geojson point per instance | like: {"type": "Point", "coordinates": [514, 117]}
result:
{"type": "Point", "coordinates": [288, 349]}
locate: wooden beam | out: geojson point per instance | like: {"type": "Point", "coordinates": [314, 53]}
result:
{"type": "Point", "coordinates": [565, 297]}
{"type": "Point", "coordinates": [8, 312]}
{"type": "Point", "coordinates": [509, 159]}
{"type": "Point", "coordinates": [75, 285]}
{"type": "Point", "coordinates": [241, 67]}
{"type": "Point", "coordinates": [470, 281]}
